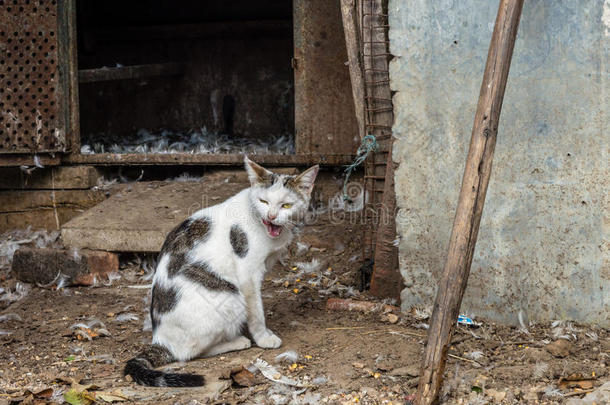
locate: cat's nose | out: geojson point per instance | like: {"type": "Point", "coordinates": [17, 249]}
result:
{"type": "Point", "coordinates": [271, 216]}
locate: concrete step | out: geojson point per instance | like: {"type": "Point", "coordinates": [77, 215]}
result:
{"type": "Point", "coordinates": [138, 218]}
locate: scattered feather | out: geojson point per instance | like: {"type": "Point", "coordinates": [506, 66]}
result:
{"type": "Point", "coordinates": [356, 201]}
{"type": "Point", "coordinates": [196, 141]}
{"type": "Point", "coordinates": [540, 370]}
{"type": "Point", "coordinates": [475, 355]}
{"type": "Point", "coordinates": [20, 292]}
{"type": "Point", "coordinates": [147, 325]}
{"type": "Point", "coordinates": [302, 248]}
{"type": "Point", "coordinates": [37, 162]}
{"type": "Point", "coordinates": [10, 317]}
{"type": "Point", "coordinates": [271, 373]}
{"type": "Point", "coordinates": [320, 380]}
{"type": "Point", "coordinates": [127, 317]}
{"type": "Point", "coordinates": [186, 178]}
{"type": "Point", "coordinates": [309, 267]}
{"type": "Point", "coordinates": [289, 356]}
{"type": "Point", "coordinates": [75, 253]}
{"type": "Point", "coordinates": [552, 392]}
{"type": "Point", "coordinates": [592, 335]}
{"type": "Point", "coordinates": [63, 281]}
{"type": "Point", "coordinates": [421, 314]}
{"type": "Point", "coordinates": [522, 322]}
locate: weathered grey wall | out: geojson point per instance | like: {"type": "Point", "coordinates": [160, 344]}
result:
{"type": "Point", "coordinates": [543, 242]}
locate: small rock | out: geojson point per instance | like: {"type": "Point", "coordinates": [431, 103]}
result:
{"type": "Point", "coordinates": [392, 318]}
{"type": "Point", "coordinates": [536, 355]}
{"type": "Point", "coordinates": [369, 391]}
{"type": "Point", "coordinates": [559, 348]}
{"type": "Point", "coordinates": [409, 371]}
{"type": "Point", "coordinates": [497, 396]}
{"type": "Point", "coordinates": [244, 378]}
{"type": "Point", "coordinates": [358, 365]}
{"type": "Point", "coordinates": [531, 396]}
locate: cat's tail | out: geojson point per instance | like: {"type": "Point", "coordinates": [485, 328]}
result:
{"type": "Point", "coordinates": [141, 369]}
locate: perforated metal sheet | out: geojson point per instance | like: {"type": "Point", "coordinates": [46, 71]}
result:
{"type": "Point", "coordinates": [31, 119]}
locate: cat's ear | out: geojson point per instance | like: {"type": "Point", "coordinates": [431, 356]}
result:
{"type": "Point", "coordinates": [256, 173]}
{"type": "Point", "coordinates": [305, 180]}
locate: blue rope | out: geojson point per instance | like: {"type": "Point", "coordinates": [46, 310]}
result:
{"type": "Point", "coordinates": [368, 145]}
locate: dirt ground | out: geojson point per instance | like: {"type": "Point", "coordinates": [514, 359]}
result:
{"type": "Point", "coordinates": [343, 357]}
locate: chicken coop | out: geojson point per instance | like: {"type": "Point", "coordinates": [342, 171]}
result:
{"type": "Point", "coordinates": [125, 83]}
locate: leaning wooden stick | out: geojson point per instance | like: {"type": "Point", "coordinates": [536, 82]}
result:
{"type": "Point", "coordinates": [471, 200]}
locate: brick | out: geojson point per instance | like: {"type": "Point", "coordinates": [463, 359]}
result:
{"type": "Point", "coordinates": [43, 266]}
{"type": "Point", "coordinates": [55, 178]}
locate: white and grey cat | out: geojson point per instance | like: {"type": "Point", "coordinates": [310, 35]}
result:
{"type": "Point", "coordinates": [207, 284]}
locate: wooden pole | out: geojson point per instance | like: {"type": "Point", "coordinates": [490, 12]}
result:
{"type": "Point", "coordinates": [386, 280]}
{"type": "Point", "coordinates": [352, 44]}
{"type": "Point", "coordinates": [471, 200]}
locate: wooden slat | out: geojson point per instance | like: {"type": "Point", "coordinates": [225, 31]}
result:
{"type": "Point", "coordinates": [352, 43]}
{"type": "Point", "coordinates": [206, 159]}
{"type": "Point", "coordinates": [324, 109]}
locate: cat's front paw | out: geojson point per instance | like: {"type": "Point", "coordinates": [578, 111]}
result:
{"type": "Point", "coordinates": [268, 340]}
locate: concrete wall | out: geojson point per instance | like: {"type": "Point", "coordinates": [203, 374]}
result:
{"type": "Point", "coordinates": [543, 242]}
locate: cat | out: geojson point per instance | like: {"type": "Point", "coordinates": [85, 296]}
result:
{"type": "Point", "coordinates": [207, 283]}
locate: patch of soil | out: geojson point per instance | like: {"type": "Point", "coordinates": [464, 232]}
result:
{"type": "Point", "coordinates": [352, 357]}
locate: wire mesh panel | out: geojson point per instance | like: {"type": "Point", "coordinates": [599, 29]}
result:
{"type": "Point", "coordinates": [32, 104]}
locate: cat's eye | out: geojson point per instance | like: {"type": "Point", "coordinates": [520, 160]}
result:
{"type": "Point", "coordinates": [286, 205]}
{"type": "Point", "coordinates": [263, 201]}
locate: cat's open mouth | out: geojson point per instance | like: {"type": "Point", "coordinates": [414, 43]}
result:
{"type": "Point", "coordinates": [272, 229]}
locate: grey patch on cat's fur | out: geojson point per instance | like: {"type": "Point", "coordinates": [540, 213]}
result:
{"type": "Point", "coordinates": [201, 274]}
{"type": "Point", "coordinates": [239, 241]}
{"type": "Point", "coordinates": [163, 300]}
{"type": "Point", "coordinates": [181, 240]}
{"type": "Point", "coordinates": [197, 231]}
{"type": "Point", "coordinates": [176, 262]}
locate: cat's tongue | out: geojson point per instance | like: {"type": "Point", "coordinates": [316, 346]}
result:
{"type": "Point", "coordinates": [272, 229]}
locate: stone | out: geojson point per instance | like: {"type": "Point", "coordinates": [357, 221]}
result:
{"type": "Point", "coordinates": [47, 266]}
{"type": "Point", "coordinates": [497, 396]}
{"type": "Point", "coordinates": [408, 371]}
{"type": "Point", "coordinates": [392, 318]}
{"type": "Point", "coordinates": [559, 348]}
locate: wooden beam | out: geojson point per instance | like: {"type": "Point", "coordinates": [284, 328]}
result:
{"type": "Point", "coordinates": [471, 201]}
{"type": "Point", "coordinates": [105, 74]}
{"type": "Point", "coordinates": [386, 280]}
{"type": "Point", "coordinates": [228, 159]}
{"type": "Point", "coordinates": [352, 43]}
